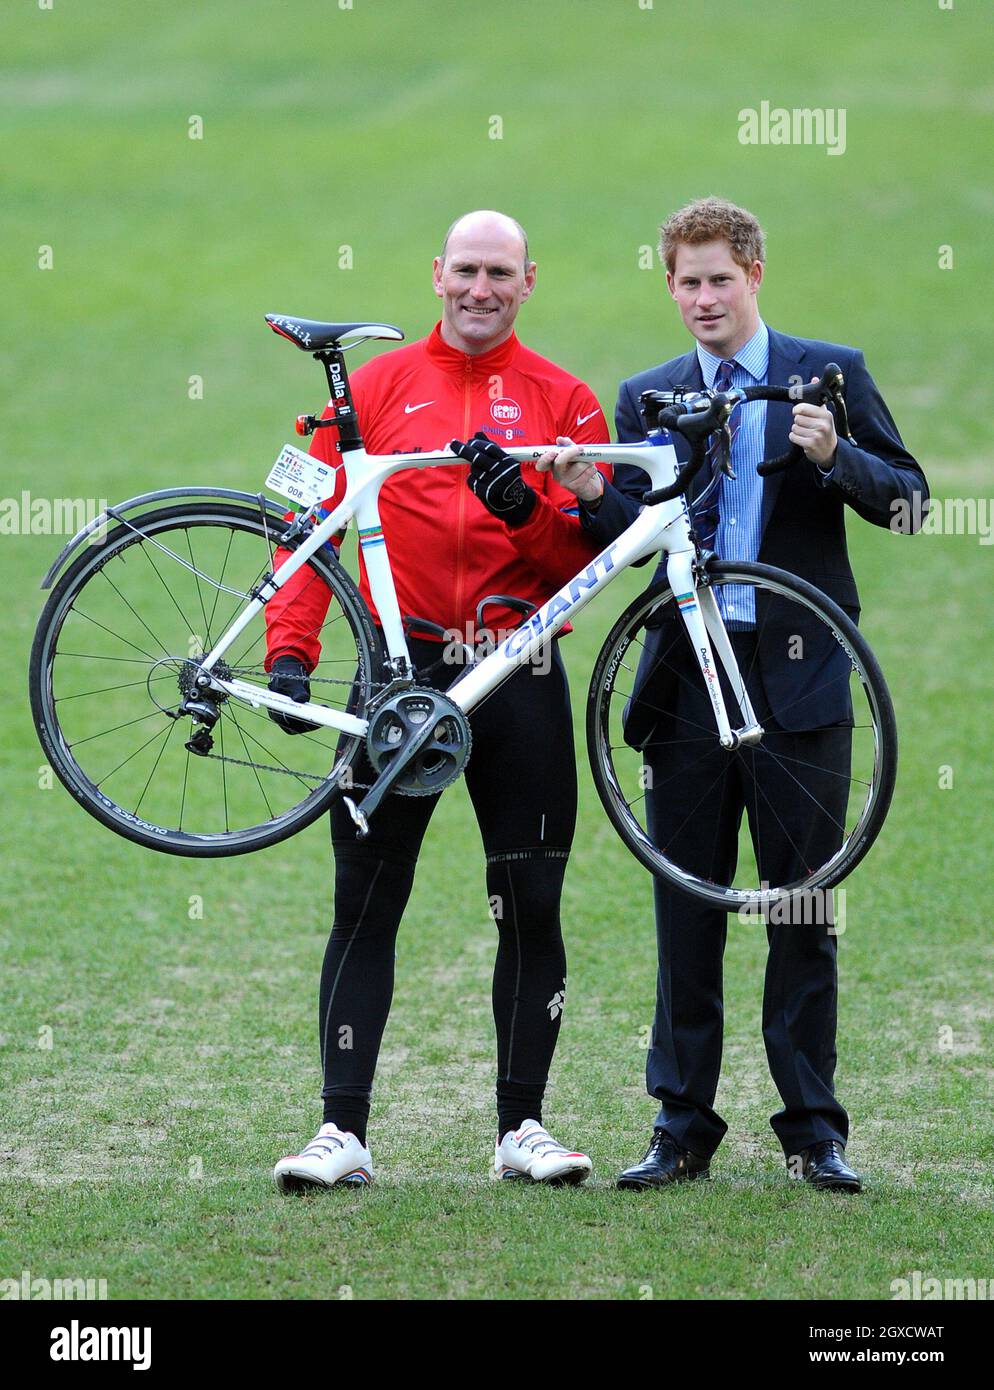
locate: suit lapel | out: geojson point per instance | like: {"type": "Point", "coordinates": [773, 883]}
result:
{"type": "Point", "coordinates": [786, 357]}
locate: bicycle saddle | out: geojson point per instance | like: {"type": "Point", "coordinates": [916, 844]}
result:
{"type": "Point", "coordinates": [311, 336]}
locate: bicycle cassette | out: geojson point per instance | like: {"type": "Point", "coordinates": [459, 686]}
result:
{"type": "Point", "coordinates": [438, 762]}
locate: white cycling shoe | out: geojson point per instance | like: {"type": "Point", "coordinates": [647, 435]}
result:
{"type": "Point", "coordinates": [531, 1153]}
{"type": "Point", "coordinates": [333, 1157]}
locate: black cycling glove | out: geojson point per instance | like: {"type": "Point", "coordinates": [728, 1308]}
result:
{"type": "Point", "coordinates": [288, 676]}
{"type": "Point", "coordinates": [495, 478]}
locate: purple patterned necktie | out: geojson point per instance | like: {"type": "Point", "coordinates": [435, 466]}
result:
{"type": "Point", "coordinates": [706, 519]}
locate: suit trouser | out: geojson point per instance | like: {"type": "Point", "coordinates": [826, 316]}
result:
{"type": "Point", "coordinates": [695, 806]}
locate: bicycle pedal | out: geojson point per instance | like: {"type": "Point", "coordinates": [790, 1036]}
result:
{"type": "Point", "coordinates": [362, 824]}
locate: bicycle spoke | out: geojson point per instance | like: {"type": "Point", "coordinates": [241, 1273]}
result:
{"type": "Point", "coordinates": [674, 834]}
{"type": "Point", "coordinates": [672, 777]}
{"type": "Point", "coordinates": [258, 779]}
{"type": "Point", "coordinates": [224, 773]}
{"type": "Point", "coordinates": [239, 604]}
{"type": "Point", "coordinates": [148, 556]}
{"type": "Point", "coordinates": [808, 695]}
{"type": "Point", "coordinates": [169, 734]}
{"type": "Point", "coordinates": [217, 591]}
{"type": "Point", "coordinates": [681, 676]}
{"type": "Point", "coordinates": [134, 611]}
{"type": "Point", "coordinates": [815, 767]}
{"type": "Point", "coordinates": [106, 689]}
{"type": "Point", "coordinates": [186, 777]}
{"type": "Point", "coordinates": [671, 742]}
{"type": "Point", "coordinates": [800, 858]}
{"type": "Point", "coordinates": [150, 540]}
{"type": "Point", "coordinates": [109, 775]}
{"type": "Point", "coordinates": [80, 614]}
{"type": "Point", "coordinates": [810, 795]}
{"type": "Point", "coordinates": [200, 595]}
{"type": "Point", "coordinates": [708, 735]}
{"type": "Point", "coordinates": [97, 656]}
{"type": "Point", "coordinates": [116, 728]}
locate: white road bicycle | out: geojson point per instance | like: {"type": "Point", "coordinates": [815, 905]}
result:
{"type": "Point", "coordinates": [151, 702]}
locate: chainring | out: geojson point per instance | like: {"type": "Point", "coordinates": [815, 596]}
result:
{"type": "Point", "coordinates": [439, 761]}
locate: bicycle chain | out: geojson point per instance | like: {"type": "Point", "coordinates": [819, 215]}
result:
{"type": "Point", "coordinates": [264, 767]}
{"type": "Point", "coordinates": [323, 680]}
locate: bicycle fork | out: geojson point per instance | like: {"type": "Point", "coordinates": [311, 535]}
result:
{"type": "Point", "coordinates": [699, 609]}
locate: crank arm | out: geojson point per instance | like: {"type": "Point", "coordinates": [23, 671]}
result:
{"type": "Point", "coordinates": [361, 813]}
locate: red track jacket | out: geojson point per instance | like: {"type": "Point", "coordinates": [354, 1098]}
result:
{"type": "Point", "coordinates": [447, 552]}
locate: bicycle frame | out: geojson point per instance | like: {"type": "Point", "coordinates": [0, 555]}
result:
{"type": "Point", "coordinates": [663, 527]}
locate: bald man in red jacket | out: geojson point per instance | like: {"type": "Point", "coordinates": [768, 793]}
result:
{"type": "Point", "coordinates": [456, 536]}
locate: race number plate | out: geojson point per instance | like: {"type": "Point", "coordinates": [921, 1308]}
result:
{"type": "Point", "coordinates": [301, 477]}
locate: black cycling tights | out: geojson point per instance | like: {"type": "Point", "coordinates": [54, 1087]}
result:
{"type": "Point", "coordinates": [521, 778]}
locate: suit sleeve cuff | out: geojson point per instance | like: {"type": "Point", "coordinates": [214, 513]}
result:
{"type": "Point", "coordinates": [825, 475]}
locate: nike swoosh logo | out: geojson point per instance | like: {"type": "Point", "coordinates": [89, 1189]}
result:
{"type": "Point", "coordinates": [410, 409]}
{"type": "Point", "coordinates": [582, 419]}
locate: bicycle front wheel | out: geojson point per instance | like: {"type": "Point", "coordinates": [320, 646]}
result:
{"type": "Point", "coordinates": [786, 817]}
{"type": "Point", "coordinates": [117, 648]}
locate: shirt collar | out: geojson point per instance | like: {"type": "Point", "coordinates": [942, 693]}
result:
{"type": "Point", "coordinates": [452, 359]}
{"type": "Point", "coordinates": [753, 357]}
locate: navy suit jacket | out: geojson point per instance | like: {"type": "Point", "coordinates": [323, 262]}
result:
{"type": "Point", "coordinates": [803, 525]}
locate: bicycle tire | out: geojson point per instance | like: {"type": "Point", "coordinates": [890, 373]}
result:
{"type": "Point", "coordinates": [63, 717]}
{"type": "Point", "coordinates": [612, 767]}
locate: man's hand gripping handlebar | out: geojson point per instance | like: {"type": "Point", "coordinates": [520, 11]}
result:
{"type": "Point", "coordinates": [698, 414]}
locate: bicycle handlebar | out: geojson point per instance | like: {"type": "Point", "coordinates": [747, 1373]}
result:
{"type": "Point", "coordinates": [697, 414]}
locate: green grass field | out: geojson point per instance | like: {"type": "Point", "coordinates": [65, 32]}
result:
{"type": "Point", "coordinates": [156, 1063]}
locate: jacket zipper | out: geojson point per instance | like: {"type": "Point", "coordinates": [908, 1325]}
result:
{"type": "Point", "coordinates": [461, 506]}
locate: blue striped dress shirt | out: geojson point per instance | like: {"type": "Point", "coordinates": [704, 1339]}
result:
{"type": "Point", "coordinates": [741, 500]}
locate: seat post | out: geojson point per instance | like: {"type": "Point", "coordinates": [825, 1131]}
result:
{"type": "Point", "coordinates": [333, 360]}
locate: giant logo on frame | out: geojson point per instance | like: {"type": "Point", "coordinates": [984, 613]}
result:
{"type": "Point", "coordinates": [504, 411]}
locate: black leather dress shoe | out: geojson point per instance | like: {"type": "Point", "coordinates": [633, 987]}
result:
{"type": "Point", "coordinates": [664, 1163]}
{"type": "Point", "coordinates": [824, 1165]}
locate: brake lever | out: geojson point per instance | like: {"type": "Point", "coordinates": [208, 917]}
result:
{"type": "Point", "coordinates": [841, 413]}
{"type": "Point", "coordinates": [725, 451]}
{"type": "Point", "coordinates": [831, 392]}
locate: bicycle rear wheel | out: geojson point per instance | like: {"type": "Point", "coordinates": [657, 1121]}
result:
{"type": "Point", "coordinates": [117, 647]}
{"type": "Point", "coordinates": [788, 818]}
